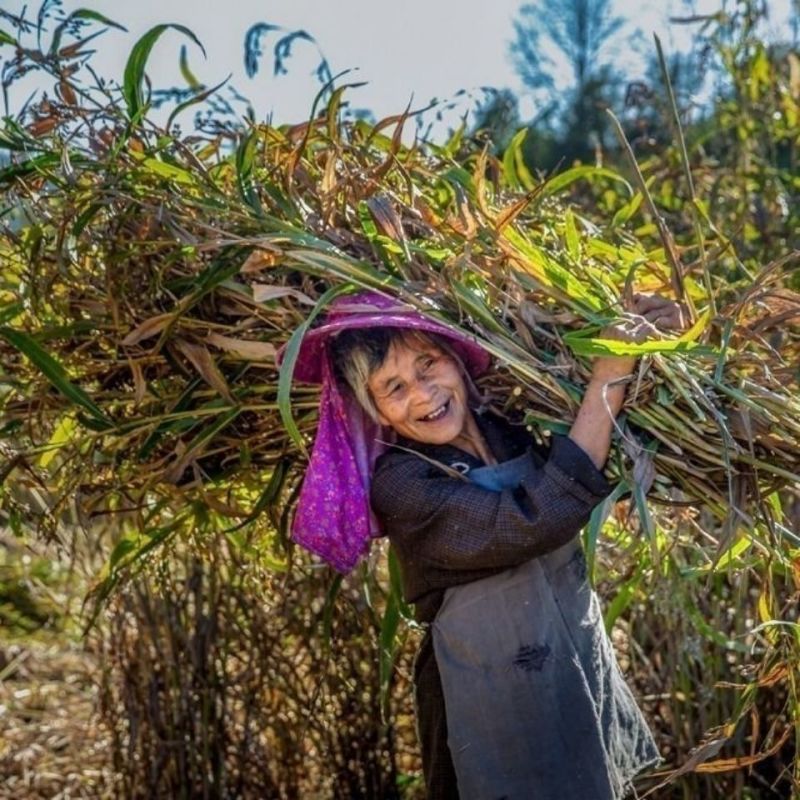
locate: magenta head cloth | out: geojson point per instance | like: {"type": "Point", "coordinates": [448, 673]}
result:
{"type": "Point", "coordinates": [333, 517]}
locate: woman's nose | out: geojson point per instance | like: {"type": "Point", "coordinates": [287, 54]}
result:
{"type": "Point", "coordinates": [424, 388]}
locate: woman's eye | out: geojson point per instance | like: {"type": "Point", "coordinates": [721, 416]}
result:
{"type": "Point", "coordinates": [428, 363]}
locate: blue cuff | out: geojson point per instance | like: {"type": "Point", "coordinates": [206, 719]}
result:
{"type": "Point", "coordinates": [573, 461]}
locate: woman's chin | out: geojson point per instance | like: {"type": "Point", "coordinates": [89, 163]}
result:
{"type": "Point", "coordinates": [436, 433]}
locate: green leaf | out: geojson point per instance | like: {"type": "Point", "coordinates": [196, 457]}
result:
{"type": "Point", "coordinates": [245, 161]}
{"type": "Point", "coordinates": [622, 599]}
{"type": "Point", "coordinates": [6, 38]}
{"type": "Point", "coordinates": [713, 635]}
{"type": "Point", "coordinates": [627, 211]}
{"type": "Point", "coordinates": [396, 583]}
{"type": "Point", "coordinates": [571, 235]}
{"type": "Point", "coordinates": [268, 496]}
{"type": "Point", "coordinates": [564, 179]}
{"type": "Point", "coordinates": [388, 646]}
{"type": "Point", "coordinates": [646, 520]}
{"type": "Point", "coordinates": [514, 167]}
{"type": "Point", "coordinates": [133, 86]}
{"type": "Point", "coordinates": [168, 423]}
{"type": "Point", "coordinates": [122, 548]}
{"type": "Point", "coordinates": [10, 311]}
{"type": "Point", "coordinates": [599, 516]}
{"type": "Point", "coordinates": [328, 609]}
{"type": "Point", "coordinates": [198, 98]}
{"type": "Point", "coordinates": [53, 371]}
{"type": "Point", "coordinates": [345, 267]}
{"type": "Point", "coordinates": [585, 345]}
{"type": "Point", "coordinates": [165, 170]}
{"type": "Point", "coordinates": [187, 73]}
{"type": "Point", "coordinates": [453, 144]}
{"type": "Point", "coordinates": [37, 164]}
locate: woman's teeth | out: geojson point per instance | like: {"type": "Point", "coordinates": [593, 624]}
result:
{"type": "Point", "coordinates": [438, 414]}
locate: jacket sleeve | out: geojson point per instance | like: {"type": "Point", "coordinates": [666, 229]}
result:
{"type": "Point", "coordinates": [455, 524]}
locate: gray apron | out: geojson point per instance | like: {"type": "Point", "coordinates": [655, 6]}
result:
{"type": "Point", "coordinates": [536, 706]}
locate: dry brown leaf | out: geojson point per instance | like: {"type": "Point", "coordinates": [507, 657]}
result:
{"type": "Point", "coordinates": [247, 349]}
{"type": "Point", "coordinates": [173, 473]}
{"type": "Point", "coordinates": [532, 314]}
{"type": "Point", "coordinates": [386, 218]}
{"type": "Point", "coordinates": [464, 223]}
{"type": "Point", "coordinates": [43, 126]}
{"type": "Point", "coordinates": [67, 93]}
{"type": "Point", "coordinates": [794, 75]}
{"type": "Point", "coordinates": [225, 509]}
{"type": "Point", "coordinates": [774, 676]}
{"type": "Point", "coordinates": [203, 362]}
{"type": "Point", "coordinates": [700, 754]}
{"type": "Point", "coordinates": [139, 383]}
{"type": "Point", "coordinates": [259, 260]}
{"type": "Point", "coordinates": [150, 327]}
{"type": "Point", "coordinates": [515, 209]}
{"type": "Point", "coordinates": [728, 764]}
{"type": "Point", "coordinates": [427, 213]}
{"type": "Point", "coordinates": [263, 292]}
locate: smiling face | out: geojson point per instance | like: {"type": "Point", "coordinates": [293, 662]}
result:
{"type": "Point", "coordinates": [419, 391]}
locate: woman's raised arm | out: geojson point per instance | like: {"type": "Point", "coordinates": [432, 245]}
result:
{"type": "Point", "coordinates": [604, 395]}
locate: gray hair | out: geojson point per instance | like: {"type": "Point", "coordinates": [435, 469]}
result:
{"type": "Point", "coordinates": [357, 353]}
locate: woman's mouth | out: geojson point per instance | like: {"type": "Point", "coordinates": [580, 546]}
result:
{"type": "Point", "coordinates": [437, 414]}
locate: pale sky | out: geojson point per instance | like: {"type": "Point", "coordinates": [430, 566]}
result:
{"type": "Point", "coordinates": [413, 48]}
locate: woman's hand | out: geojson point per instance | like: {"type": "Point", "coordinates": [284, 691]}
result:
{"type": "Point", "coordinates": [643, 319]}
{"type": "Point", "coordinates": [646, 316]}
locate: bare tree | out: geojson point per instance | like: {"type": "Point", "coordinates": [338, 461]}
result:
{"type": "Point", "coordinates": [578, 32]}
{"type": "Point", "coordinates": [579, 29]}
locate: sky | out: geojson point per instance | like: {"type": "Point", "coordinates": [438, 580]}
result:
{"type": "Point", "coordinates": [409, 51]}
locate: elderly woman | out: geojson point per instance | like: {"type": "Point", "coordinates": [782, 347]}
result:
{"type": "Point", "coordinates": [518, 693]}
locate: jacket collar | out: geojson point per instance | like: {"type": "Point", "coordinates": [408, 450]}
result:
{"type": "Point", "coordinates": [505, 441]}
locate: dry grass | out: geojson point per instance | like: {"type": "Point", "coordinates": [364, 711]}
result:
{"type": "Point", "coordinates": [53, 745]}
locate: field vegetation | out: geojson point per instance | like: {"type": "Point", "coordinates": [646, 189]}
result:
{"type": "Point", "coordinates": [162, 636]}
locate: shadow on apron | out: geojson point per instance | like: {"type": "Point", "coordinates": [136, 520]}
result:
{"type": "Point", "coordinates": [537, 708]}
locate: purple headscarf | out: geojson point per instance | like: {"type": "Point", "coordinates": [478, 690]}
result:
{"type": "Point", "coordinates": [333, 517]}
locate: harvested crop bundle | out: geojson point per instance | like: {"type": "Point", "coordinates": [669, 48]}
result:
{"type": "Point", "coordinates": [159, 287]}
{"type": "Point", "coordinates": [149, 278]}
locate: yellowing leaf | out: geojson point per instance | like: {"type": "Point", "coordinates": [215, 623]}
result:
{"type": "Point", "coordinates": [763, 608]}
{"type": "Point", "coordinates": [62, 434]}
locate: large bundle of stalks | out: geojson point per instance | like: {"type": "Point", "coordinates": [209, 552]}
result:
{"type": "Point", "coordinates": [148, 280]}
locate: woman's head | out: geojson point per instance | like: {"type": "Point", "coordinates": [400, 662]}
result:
{"type": "Point", "coordinates": [375, 343]}
{"type": "Point", "coordinates": [410, 380]}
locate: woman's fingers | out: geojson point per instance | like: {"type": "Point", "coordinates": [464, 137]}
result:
{"type": "Point", "coordinates": [648, 302]}
{"type": "Point", "coordinates": [668, 317]}
{"type": "Point", "coordinates": [648, 314]}
{"type": "Point", "coordinates": [659, 311]}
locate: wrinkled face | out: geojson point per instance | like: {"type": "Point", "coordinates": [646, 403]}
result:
{"type": "Point", "coordinates": [420, 392]}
